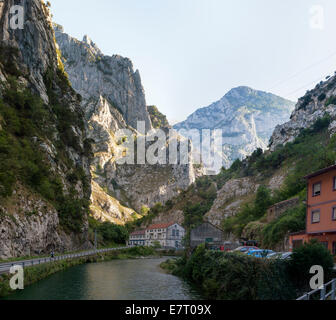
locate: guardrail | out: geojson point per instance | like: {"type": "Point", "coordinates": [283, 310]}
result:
{"type": "Point", "coordinates": [324, 294]}
{"type": "Point", "coordinates": [4, 267]}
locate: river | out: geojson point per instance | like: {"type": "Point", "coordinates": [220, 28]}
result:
{"type": "Point", "coordinates": [138, 279]}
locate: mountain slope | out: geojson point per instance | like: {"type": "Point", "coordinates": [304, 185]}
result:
{"type": "Point", "coordinates": [315, 104]}
{"type": "Point", "coordinates": [44, 171]}
{"type": "Point", "coordinates": [247, 118]}
{"type": "Point", "coordinates": [237, 199]}
{"type": "Point", "coordinates": [113, 98]}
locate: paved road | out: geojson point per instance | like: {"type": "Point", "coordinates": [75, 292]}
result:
{"type": "Point", "coordinates": [4, 267]}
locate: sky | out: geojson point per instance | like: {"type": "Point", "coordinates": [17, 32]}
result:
{"type": "Point", "coordinates": [191, 52]}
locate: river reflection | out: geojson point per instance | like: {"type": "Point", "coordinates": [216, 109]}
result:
{"type": "Point", "coordinates": [140, 279]}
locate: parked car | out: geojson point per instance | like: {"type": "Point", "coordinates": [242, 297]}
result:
{"type": "Point", "coordinates": [245, 249]}
{"type": "Point", "coordinates": [279, 255]}
{"type": "Point", "coordinates": [286, 255]}
{"type": "Point", "coordinates": [260, 253]}
{"type": "Point", "coordinates": [274, 255]}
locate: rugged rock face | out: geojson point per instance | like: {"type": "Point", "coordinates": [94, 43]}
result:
{"type": "Point", "coordinates": [314, 105]}
{"type": "Point", "coordinates": [230, 198]}
{"type": "Point", "coordinates": [94, 74]}
{"type": "Point", "coordinates": [30, 226]}
{"type": "Point", "coordinates": [235, 193]}
{"type": "Point", "coordinates": [247, 118]}
{"type": "Point", "coordinates": [114, 99]}
{"type": "Point", "coordinates": [29, 62]}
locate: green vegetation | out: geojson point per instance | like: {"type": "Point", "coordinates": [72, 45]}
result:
{"type": "Point", "coordinates": [169, 265]}
{"type": "Point", "coordinates": [108, 234]}
{"type": "Point", "coordinates": [292, 220]}
{"type": "Point", "coordinates": [158, 119]}
{"type": "Point", "coordinates": [312, 150]}
{"type": "Point", "coordinates": [306, 256]}
{"type": "Point", "coordinates": [26, 124]}
{"type": "Point", "coordinates": [194, 211]}
{"type": "Point", "coordinates": [148, 216]}
{"type": "Point", "coordinates": [234, 276]}
{"type": "Point", "coordinates": [249, 212]}
{"type": "Point", "coordinates": [331, 100]}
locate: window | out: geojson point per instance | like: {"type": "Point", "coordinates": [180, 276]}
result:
{"type": "Point", "coordinates": [177, 233]}
{"type": "Point", "coordinates": [334, 184]}
{"type": "Point", "coordinates": [334, 213]}
{"type": "Point", "coordinates": [316, 189]}
{"type": "Point", "coordinates": [316, 216]}
{"type": "Point", "coordinates": [173, 233]}
{"type": "Point", "coordinates": [334, 248]}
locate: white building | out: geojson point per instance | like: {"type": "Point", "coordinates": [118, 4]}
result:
{"type": "Point", "coordinates": [169, 235]}
{"type": "Point", "coordinates": [137, 238]}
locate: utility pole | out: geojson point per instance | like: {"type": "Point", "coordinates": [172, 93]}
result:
{"type": "Point", "coordinates": [95, 239]}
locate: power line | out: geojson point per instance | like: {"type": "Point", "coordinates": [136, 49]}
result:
{"type": "Point", "coordinates": [306, 85]}
{"type": "Point", "coordinates": [303, 70]}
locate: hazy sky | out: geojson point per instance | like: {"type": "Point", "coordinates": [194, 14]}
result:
{"type": "Point", "coordinates": [191, 52]}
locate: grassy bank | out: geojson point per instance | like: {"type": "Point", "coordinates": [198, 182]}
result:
{"type": "Point", "coordinates": [35, 273]}
{"type": "Point", "coordinates": [235, 276]}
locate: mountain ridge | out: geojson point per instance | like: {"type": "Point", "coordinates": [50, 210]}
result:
{"type": "Point", "coordinates": [247, 118]}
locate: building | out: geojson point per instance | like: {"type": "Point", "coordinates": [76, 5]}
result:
{"type": "Point", "coordinates": [137, 238]}
{"type": "Point", "coordinates": [206, 233]}
{"type": "Point", "coordinates": [168, 235]}
{"type": "Point", "coordinates": [321, 210]}
{"type": "Point", "coordinates": [279, 208]}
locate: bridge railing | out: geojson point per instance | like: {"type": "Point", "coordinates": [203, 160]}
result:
{"type": "Point", "coordinates": [326, 292]}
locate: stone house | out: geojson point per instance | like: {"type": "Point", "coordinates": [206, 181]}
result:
{"type": "Point", "coordinates": [279, 208]}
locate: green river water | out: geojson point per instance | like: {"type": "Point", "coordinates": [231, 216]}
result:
{"type": "Point", "coordinates": [140, 279]}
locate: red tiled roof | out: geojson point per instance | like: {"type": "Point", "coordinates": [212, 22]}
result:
{"type": "Point", "coordinates": [160, 225]}
{"type": "Point", "coordinates": [138, 232]}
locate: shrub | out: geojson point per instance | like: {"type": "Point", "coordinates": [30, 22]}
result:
{"type": "Point", "coordinates": [306, 256]}
{"type": "Point", "coordinates": [112, 233]}
{"type": "Point", "coordinates": [231, 276]}
{"type": "Point", "coordinates": [292, 220]}
{"type": "Point", "coordinates": [322, 96]}
{"type": "Point", "coordinates": [331, 100]}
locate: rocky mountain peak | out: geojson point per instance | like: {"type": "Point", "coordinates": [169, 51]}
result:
{"type": "Point", "coordinates": [247, 118]}
{"type": "Point", "coordinates": [93, 74]}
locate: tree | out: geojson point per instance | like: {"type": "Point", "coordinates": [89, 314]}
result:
{"type": "Point", "coordinates": [306, 256]}
{"type": "Point", "coordinates": [263, 200]}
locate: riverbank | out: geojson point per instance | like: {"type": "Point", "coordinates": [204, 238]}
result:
{"type": "Point", "coordinates": [235, 276]}
{"type": "Point", "coordinates": [33, 274]}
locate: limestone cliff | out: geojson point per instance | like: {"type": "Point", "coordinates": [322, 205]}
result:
{"type": "Point", "coordinates": [315, 104]}
{"type": "Point", "coordinates": [113, 99]}
{"type": "Point", "coordinates": [44, 165]}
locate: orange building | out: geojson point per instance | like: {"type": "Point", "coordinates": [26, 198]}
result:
{"type": "Point", "coordinates": [321, 210]}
